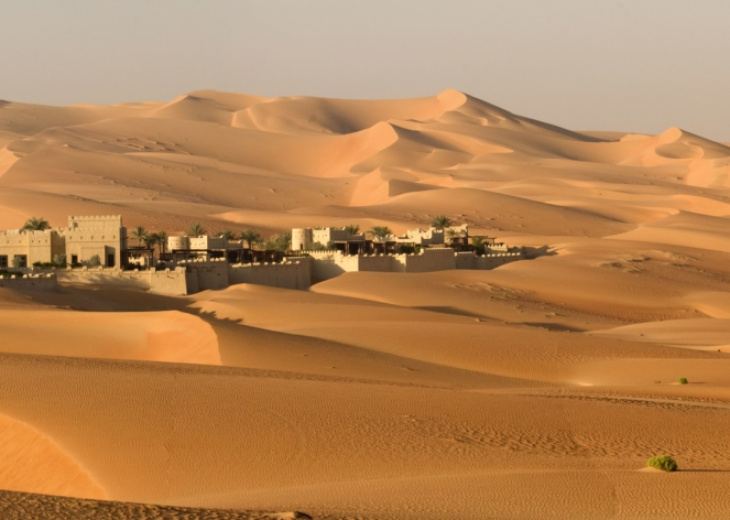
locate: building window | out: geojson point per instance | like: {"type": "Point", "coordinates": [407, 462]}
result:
{"type": "Point", "coordinates": [74, 259]}
{"type": "Point", "coordinates": [3, 261]}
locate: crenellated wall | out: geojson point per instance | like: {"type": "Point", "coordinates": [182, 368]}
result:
{"type": "Point", "coordinates": [379, 263]}
{"type": "Point", "coordinates": [292, 274]}
{"type": "Point", "coordinates": [490, 261]}
{"type": "Point", "coordinates": [105, 236]}
{"type": "Point", "coordinates": [165, 281]}
{"type": "Point", "coordinates": [30, 282]}
{"type": "Point", "coordinates": [428, 260]}
{"type": "Point", "coordinates": [205, 274]}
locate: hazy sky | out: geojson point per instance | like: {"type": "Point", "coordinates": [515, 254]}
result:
{"type": "Point", "coordinates": [630, 65]}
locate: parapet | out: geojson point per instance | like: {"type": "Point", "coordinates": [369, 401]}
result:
{"type": "Point", "coordinates": [96, 220]}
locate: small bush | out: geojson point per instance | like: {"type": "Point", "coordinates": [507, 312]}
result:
{"type": "Point", "coordinates": [59, 260]}
{"type": "Point", "coordinates": [662, 462]}
{"type": "Point", "coordinates": [683, 381]}
{"type": "Point", "coordinates": [94, 261]}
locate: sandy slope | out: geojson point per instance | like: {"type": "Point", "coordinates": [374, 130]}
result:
{"type": "Point", "coordinates": [535, 390]}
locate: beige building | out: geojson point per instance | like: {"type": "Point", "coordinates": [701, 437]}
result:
{"type": "Point", "coordinates": [303, 239]}
{"type": "Point", "coordinates": [422, 237]}
{"type": "Point", "coordinates": [23, 248]}
{"type": "Point", "coordinates": [87, 237]}
{"type": "Point", "coordinates": [80, 241]}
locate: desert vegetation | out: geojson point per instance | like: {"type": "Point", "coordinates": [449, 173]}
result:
{"type": "Point", "coordinates": [662, 462]}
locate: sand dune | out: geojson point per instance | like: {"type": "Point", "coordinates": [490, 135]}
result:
{"type": "Point", "coordinates": [153, 336]}
{"type": "Point", "coordinates": [335, 153]}
{"type": "Point", "coordinates": [534, 390]}
{"type": "Point", "coordinates": [33, 461]}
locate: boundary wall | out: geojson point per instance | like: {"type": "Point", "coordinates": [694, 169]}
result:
{"type": "Point", "coordinates": [166, 281]}
{"type": "Point", "coordinates": [330, 263]}
{"type": "Point", "coordinates": [188, 277]}
{"type": "Point", "coordinates": [197, 275]}
{"type": "Point", "coordinates": [45, 282]}
{"type": "Point", "coordinates": [201, 274]}
{"type": "Point", "coordinates": [291, 274]}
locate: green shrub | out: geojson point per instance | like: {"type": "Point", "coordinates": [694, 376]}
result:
{"type": "Point", "coordinates": [59, 260]}
{"type": "Point", "coordinates": [683, 381]}
{"type": "Point", "coordinates": [662, 462]}
{"type": "Point", "coordinates": [94, 261]}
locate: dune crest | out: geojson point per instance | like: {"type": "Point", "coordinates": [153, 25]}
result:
{"type": "Point", "coordinates": [168, 336]}
{"type": "Point", "coordinates": [34, 462]}
{"type": "Point", "coordinates": [322, 155]}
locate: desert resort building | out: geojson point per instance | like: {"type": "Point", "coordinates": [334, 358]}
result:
{"type": "Point", "coordinates": [95, 249]}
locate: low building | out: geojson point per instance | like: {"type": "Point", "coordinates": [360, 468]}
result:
{"type": "Point", "coordinates": [422, 237]}
{"type": "Point", "coordinates": [83, 239]}
{"type": "Point", "coordinates": [24, 247]}
{"type": "Point", "coordinates": [204, 246]}
{"type": "Point", "coordinates": [303, 239]}
{"type": "Point", "coordinates": [88, 237]}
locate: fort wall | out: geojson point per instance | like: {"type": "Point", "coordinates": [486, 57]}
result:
{"type": "Point", "coordinates": [429, 260]}
{"type": "Point", "coordinates": [30, 282]}
{"type": "Point", "coordinates": [160, 281]}
{"type": "Point", "coordinates": [490, 261]}
{"type": "Point", "coordinates": [206, 274]}
{"type": "Point", "coordinates": [378, 263]}
{"type": "Point", "coordinates": [292, 274]}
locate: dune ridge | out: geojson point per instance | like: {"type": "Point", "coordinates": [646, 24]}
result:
{"type": "Point", "coordinates": [333, 150]}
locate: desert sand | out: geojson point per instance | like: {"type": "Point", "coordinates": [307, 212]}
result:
{"type": "Point", "coordinates": [535, 390]}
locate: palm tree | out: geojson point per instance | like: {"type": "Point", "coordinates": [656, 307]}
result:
{"type": "Point", "coordinates": [381, 232]}
{"type": "Point", "coordinates": [36, 224]}
{"type": "Point", "coordinates": [196, 230]}
{"type": "Point", "coordinates": [440, 222]}
{"type": "Point", "coordinates": [150, 240]}
{"type": "Point", "coordinates": [478, 244]}
{"type": "Point", "coordinates": [161, 239]}
{"type": "Point", "coordinates": [353, 229]}
{"type": "Point", "coordinates": [227, 234]}
{"type": "Point", "coordinates": [141, 234]}
{"type": "Point", "coordinates": [251, 237]}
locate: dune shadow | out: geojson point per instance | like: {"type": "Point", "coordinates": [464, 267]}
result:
{"type": "Point", "coordinates": [555, 327]}
{"type": "Point", "coordinates": [212, 317]}
{"type": "Point", "coordinates": [536, 252]}
{"type": "Point", "coordinates": [680, 470]}
{"type": "Point", "coordinates": [450, 310]}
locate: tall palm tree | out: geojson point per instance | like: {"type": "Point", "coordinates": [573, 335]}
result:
{"type": "Point", "coordinates": [381, 232]}
{"type": "Point", "coordinates": [353, 229]}
{"type": "Point", "coordinates": [196, 230]}
{"type": "Point", "coordinates": [478, 244]}
{"type": "Point", "coordinates": [150, 240]}
{"type": "Point", "coordinates": [227, 234]}
{"type": "Point", "coordinates": [440, 222]}
{"type": "Point", "coordinates": [251, 237]}
{"type": "Point", "coordinates": [162, 241]}
{"type": "Point", "coordinates": [36, 224]}
{"type": "Point", "coordinates": [141, 234]}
